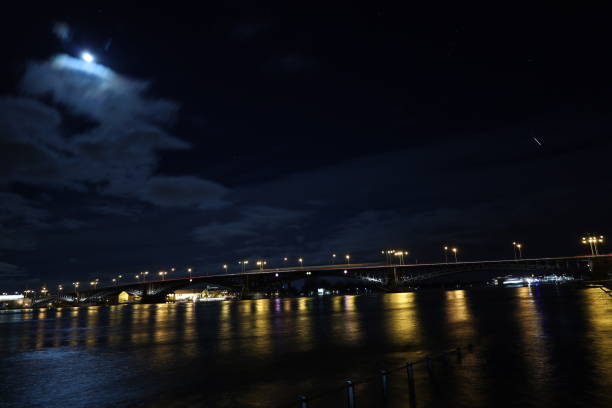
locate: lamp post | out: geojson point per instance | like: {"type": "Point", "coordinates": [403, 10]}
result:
{"type": "Point", "coordinates": [60, 288]}
{"type": "Point", "coordinates": [518, 249]}
{"type": "Point", "coordinates": [115, 281]}
{"type": "Point", "coordinates": [592, 241]}
{"type": "Point", "coordinates": [445, 254]}
{"type": "Point", "coordinates": [225, 268]}
{"type": "Point", "coordinates": [189, 270]}
{"type": "Point", "coordinates": [261, 264]}
{"type": "Point", "coordinates": [76, 289]}
{"type": "Point", "coordinates": [301, 261]}
{"type": "Point", "coordinates": [348, 259]}
{"type": "Point", "coordinates": [401, 255]}
{"type": "Point", "coordinates": [243, 263]}
{"type": "Point", "coordinates": [455, 253]}
{"type": "Point", "coordinates": [163, 274]}
{"type": "Point", "coordinates": [333, 259]}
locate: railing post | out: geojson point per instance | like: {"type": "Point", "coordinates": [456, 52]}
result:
{"type": "Point", "coordinates": [303, 401]}
{"type": "Point", "coordinates": [384, 374]}
{"type": "Point", "coordinates": [410, 372]}
{"type": "Point", "coordinates": [350, 394]}
{"type": "Point", "coordinates": [411, 389]}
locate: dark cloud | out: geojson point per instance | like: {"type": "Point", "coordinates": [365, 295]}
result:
{"type": "Point", "coordinates": [109, 208]}
{"type": "Point", "coordinates": [9, 271]}
{"type": "Point", "coordinates": [247, 30]}
{"type": "Point", "coordinates": [252, 225]}
{"type": "Point", "coordinates": [184, 191]}
{"type": "Point", "coordinates": [61, 31]}
{"type": "Point", "coordinates": [291, 64]}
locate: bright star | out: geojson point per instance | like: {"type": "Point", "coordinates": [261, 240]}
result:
{"type": "Point", "coordinates": [87, 57]}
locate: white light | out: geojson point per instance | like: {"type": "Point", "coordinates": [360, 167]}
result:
{"type": "Point", "coordinates": [10, 297]}
{"type": "Point", "coordinates": [87, 57]}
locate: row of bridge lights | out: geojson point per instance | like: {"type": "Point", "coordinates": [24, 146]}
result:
{"type": "Point", "coordinates": [262, 263]}
{"type": "Point", "coordinates": [591, 240]}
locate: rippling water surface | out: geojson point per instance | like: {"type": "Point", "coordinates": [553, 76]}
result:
{"type": "Point", "coordinates": [534, 347]}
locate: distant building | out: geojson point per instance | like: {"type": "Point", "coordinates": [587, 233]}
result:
{"type": "Point", "coordinates": [125, 297]}
{"type": "Point", "coordinates": [14, 302]}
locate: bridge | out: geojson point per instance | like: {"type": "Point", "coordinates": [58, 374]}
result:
{"type": "Point", "coordinates": [389, 277]}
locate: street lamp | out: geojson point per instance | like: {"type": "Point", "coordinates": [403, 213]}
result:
{"type": "Point", "coordinates": [76, 289]}
{"type": "Point", "coordinates": [163, 274]}
{"type": "Point", "coordinates": [348, 259]}
{"type": "Point", "coordinates": [301, 261]}
{"type": "Point", "coordinates": [455, 253]}
{"type": "Point", "coordinates": [388, 253]}
{"type": "Point", "coordinates": [189, 270]}
{"type": "Point", "coordinates": [333, 259]}
{"type": "Point", "coordinates": [518, 247]}
{"type": "Point", "coordinates": [243, 263]}
{"type": "Point", "coordinates": [261, 264]}
{"type": "Point", "coordinates": [225, 267]}
{"type": "Point", "coordinates": [592, 241]}
{"type": "Point", "coordinates": [401, 255]}
{"type": "Point", "coordinates": [445, 254]}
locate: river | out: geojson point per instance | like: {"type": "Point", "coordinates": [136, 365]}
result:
{"type": "Point", "coordinates": [533, 347]}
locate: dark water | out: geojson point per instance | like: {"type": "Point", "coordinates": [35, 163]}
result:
{"type": "Point", "coordinates": [534, 347]}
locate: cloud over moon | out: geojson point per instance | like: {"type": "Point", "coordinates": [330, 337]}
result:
{"type": "Point", "coordinates": [116, 155]}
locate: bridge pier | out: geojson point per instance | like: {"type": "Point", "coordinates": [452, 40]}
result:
{"type": "Point", "coordinates": [392, 279]}
{"type": "Point", "coordinates": [600, 268]}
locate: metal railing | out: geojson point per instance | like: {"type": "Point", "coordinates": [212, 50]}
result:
{"type": "Point", "coordinates": [349, 386]}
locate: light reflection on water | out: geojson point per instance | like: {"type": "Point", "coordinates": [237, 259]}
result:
{"type": "Point", "coordinates": [401, 328]}
{"type": "Point", "coordinates": [540, 347]}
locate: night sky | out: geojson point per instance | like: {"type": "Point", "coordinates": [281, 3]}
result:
{"type": "Point", "coordinates": [204, 136]}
